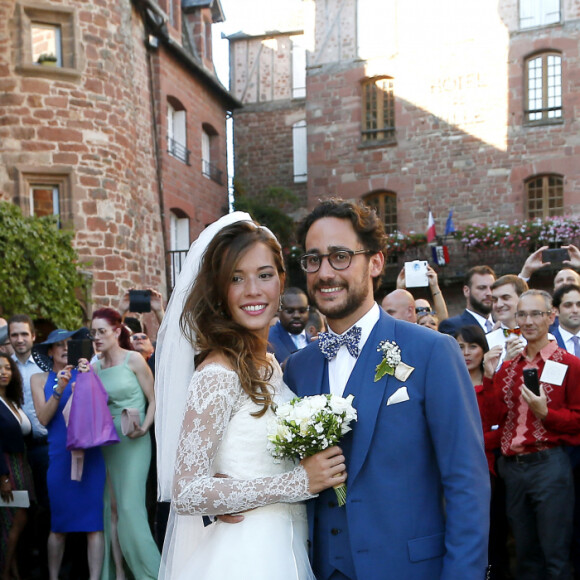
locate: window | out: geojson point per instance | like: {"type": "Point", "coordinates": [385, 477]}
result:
{"type": "Point", "coordinates": [46, 44]}
{"type": "Point", "coordinates": [44, 200]}
{"type": "Point", "coordinates": [45, 191]}
{"type": "Point", "coordinates": [539, 13]}
{"type": "Point", "coordinates": [545, 196]}
{"type": "Point", "coordinates": [300, 151]}
{"type": "Point", "coordinates": [385, 204]}
{"type": "Point", "coordinates": [177, 130]}
{"type": "Point", "coordinates": [178, 242]}
{"type": "Point", "coordinates": [544, 88]}
{"type": "Point", "coordinates": [48, 41]}
{"type": "Point", "coordinates": [298, 69]}
{"type": "Point", "coordinates": [209, 154]}
{"type": "Point", "coordinates": [378, 114]}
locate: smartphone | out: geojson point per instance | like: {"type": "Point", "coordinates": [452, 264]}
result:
{"type": "Point", "coordinates": [77, 349]}
{"type": "Point", "coordinates": [555, 255]}
{"type": "Point", "coordinates": [139, 301]}
{"type": "Point", "coordinates": [416, 274]}
{"type": "Point", "coordinates": [531, 381]}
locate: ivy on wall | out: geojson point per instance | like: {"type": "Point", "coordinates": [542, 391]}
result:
{"type": "Point", "coordinates": [38, 269]}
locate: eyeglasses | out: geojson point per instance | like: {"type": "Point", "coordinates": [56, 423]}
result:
{"type": "Point", "coordinates": [339, 260]}
{"type": "Point", "coordinates": [93, 333]}
{"type": "Point", "coordinates": [139, 337]}
{"type": "Point", "coordinates": [291, 311]}
{"type": "Point", "coordinates": [533, 314]}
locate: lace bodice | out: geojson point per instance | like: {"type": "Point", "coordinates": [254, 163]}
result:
{"type": "Point", "coordinates": [219, 435]}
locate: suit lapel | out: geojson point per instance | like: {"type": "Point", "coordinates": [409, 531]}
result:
{"type": "Point", "coordinates": [368, 395]}
{"type": "Point", "coordinates": [313, 367]}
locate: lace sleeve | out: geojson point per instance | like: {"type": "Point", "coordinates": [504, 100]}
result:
{"type": "Point", "coordinates": [213, 393]}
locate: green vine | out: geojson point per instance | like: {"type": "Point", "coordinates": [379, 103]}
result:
{"type": "Point", "coordinates": [38, 268]}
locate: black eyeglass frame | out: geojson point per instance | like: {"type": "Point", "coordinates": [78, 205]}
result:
{"type": "Point", "coordinates": [349, 253]}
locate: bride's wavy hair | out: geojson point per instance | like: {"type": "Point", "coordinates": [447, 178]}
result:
{"type": "Point", "coordinates": [206, 320]}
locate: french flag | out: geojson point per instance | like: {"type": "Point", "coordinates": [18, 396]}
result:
{"type": "Point", "coordinates": [431, 235]}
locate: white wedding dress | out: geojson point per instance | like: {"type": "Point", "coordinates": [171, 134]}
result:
{"type": "Point", "coordinates": [220, 435]}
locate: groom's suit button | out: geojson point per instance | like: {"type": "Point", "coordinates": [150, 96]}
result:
{"type": "Point", "coordinates": [335, 531]}
{"type": "Point", "coordinates": [332, 504]}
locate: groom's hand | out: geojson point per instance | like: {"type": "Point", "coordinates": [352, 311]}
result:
{"type": "Point", "coordinates": [228, 518]}
{"type": "Point", "coordinates": [325, 469]}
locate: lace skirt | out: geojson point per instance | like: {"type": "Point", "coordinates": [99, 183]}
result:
{"type": "Point", "coordinates": [271, 542]}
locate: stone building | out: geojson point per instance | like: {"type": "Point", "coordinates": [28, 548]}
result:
{"type": "Point", "coordinates": [458, 104]}
{"type": "Point", "coordinates": [112, 117]}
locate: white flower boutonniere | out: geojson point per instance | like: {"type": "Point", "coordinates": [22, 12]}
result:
{"type": "Point", "coordinates": [392, 363]}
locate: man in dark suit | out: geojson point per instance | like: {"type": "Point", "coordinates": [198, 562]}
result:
{"type": "Point", "coordinates": [566, 301]}
{"type": "Point", "coordinates": [477, 292]}
{"type": "Point", "coordinates": [288, 334]}
{"type": "Point", "coordinates": [417, 505]}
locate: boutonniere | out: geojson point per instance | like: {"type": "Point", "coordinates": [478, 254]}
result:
{"type": "Point", "coordinates": [392, 363]}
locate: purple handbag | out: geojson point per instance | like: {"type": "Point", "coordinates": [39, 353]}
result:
{"type": "Point", "coordinates": [90, 421]}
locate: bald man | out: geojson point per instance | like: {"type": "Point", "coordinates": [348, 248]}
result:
{"type": "Point", "coordinates": [400, 304]}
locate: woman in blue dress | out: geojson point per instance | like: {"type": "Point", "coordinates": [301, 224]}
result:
{"type": "Point", "coordinates": [75, 506]}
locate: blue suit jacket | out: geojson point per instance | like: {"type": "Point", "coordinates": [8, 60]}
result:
{"type": "Point", "coordinates": [452, 325]}
{"type": "Point", "coordinates": [418, 483]}
{"type": "Point", "coordinates": [555, 330]}
{"type": "Point", "coordinates": [280, 343]}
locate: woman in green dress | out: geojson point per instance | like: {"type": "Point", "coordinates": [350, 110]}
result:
{"type": "Point", "coordinates": [129, 384]}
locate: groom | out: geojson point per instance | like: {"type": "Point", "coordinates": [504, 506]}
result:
{"type": "Point", "coordinates": [418, 484]}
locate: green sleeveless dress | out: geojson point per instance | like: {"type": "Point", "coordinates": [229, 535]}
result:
{"type": "Point", "coordinates": [127, 465]}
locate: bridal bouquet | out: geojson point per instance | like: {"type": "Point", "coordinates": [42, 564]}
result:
{"type": "Point", "coordinates": [304, 426]}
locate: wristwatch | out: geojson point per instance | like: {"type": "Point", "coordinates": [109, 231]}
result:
{"type": "Point", "coordinates": [55, 393]}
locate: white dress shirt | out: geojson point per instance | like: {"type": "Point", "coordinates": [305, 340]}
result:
{"type": "Point", "coordinates": [567, 338]}
{"type": "Point", "coordinates": [299, 340]}
{"type": "Point", "coordinates": [481, 320]}
{"type": "Point", "coordinates": [28, 369]}
{"type": "Point", "coordinates": [340, 367]}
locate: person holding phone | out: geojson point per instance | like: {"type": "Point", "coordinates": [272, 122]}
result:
{"type": "Point", "coordinates": [75, 506]}
{"type": "Point", "coordinates": [534, 429]}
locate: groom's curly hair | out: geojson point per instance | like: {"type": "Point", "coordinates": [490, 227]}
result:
{"type": "Point", "coordinates": [206, 320]}
{"type": "Point", "coordinates": [364, 219]}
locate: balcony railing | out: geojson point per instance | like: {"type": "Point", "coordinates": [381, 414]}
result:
{"type": "Point", "coordinates": [178, 150]}
{"type": "Point", "coordinates": [176, 259]}
{"type": "Point", "coordinates": [210, 170]}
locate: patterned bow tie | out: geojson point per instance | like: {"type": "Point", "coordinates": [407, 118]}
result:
{"type": "Point", "coordinates": [330, 343]}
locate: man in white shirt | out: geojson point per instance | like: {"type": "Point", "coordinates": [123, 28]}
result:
{"type": "Point", "coordinates": [505, 294]}
{"type": "Point", "coordinates": [417, 505]}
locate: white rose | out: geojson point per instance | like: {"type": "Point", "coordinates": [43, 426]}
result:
{"type": "Point", "coordinates": [317, 402]}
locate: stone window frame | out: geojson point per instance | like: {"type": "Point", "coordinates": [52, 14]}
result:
{"type": "Point", "coordinates": [67, 20]}
{"type": "Point", "coordinates": [544, 195]}
{"type": "Point", "coordinates": [548, 75]}
{"type": "Point", "coordinates": [385, 204]}
{"type": "Point", "coordinates": [378, 114]}
{"type": "Point", "coordinates": [61, 177]}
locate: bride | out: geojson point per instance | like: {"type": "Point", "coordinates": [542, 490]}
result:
{"type": "Point", "coordinates": [216, 461]}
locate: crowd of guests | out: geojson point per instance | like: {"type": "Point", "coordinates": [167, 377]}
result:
{"type": "Point", "coordinates": [531, 433]}
{"type": "Point", "coordinates": [98, 494]}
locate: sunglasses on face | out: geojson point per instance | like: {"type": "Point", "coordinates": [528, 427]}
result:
{"type": "Point", "coordinates": [139, 337]}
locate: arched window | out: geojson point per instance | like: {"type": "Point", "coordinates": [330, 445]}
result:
{"type": "Point", "coordinates": [543, 88]}
{"type": "Point", "coordinates": [385, 204]}
{"type": "Point", "coordinates": [544, 196]}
